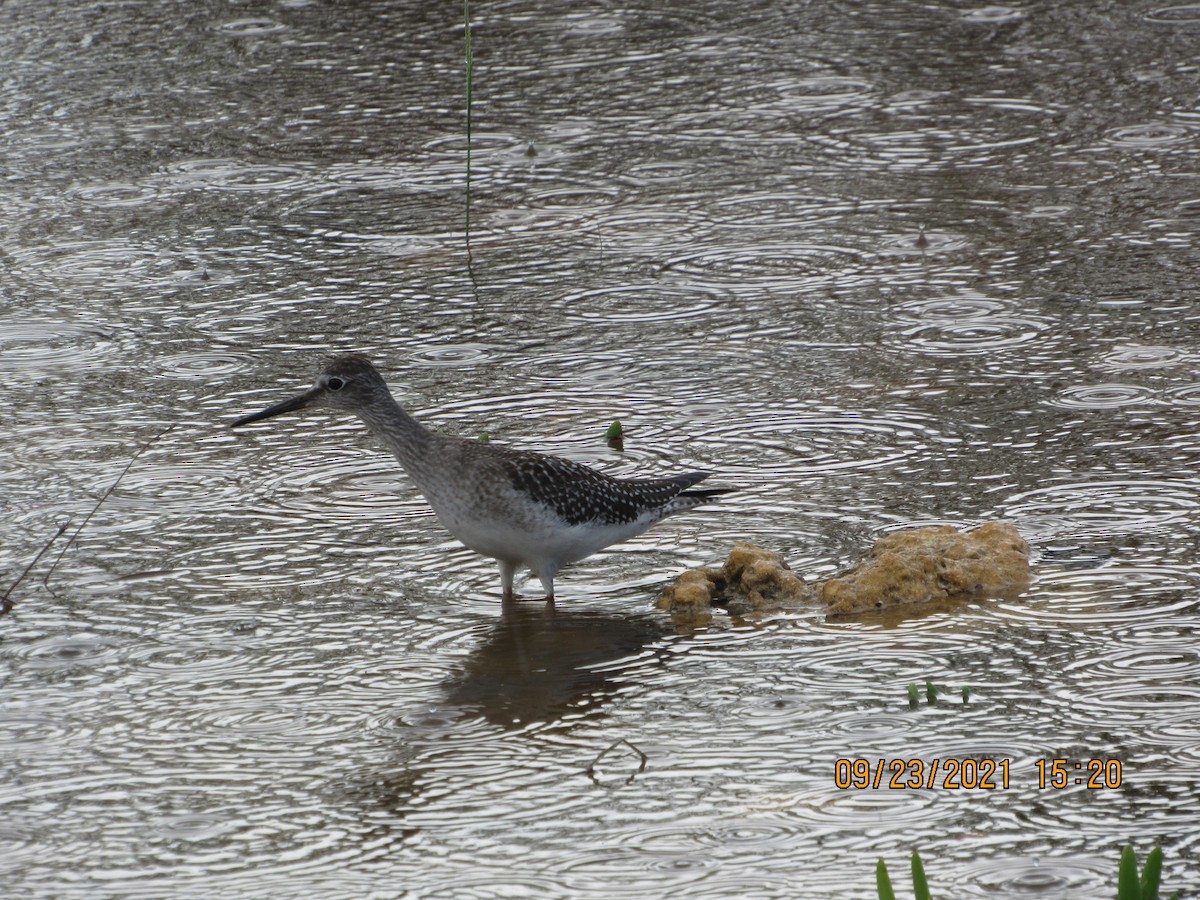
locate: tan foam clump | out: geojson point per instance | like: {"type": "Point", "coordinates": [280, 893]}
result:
{"type": "Point", "coordinates": [917, 567]}
{"type": "Point", "coordinates": [751, 580]}
{"type": "Point", "coordinates": [928, 565]}
{"type": "Point", "coordinates": [690, 599]}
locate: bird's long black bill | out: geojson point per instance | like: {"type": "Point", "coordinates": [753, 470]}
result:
{"type": "Point", "coordinates": [286, 406]}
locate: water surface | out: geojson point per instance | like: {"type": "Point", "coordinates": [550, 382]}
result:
{"type": "Point", "coordinates": [876, 264]}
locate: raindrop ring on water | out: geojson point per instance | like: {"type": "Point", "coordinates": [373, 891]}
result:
{"type": "Point", "coordinates": [1103, 396]}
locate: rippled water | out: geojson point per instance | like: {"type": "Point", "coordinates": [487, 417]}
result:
{"type": "Point", "coordinates": [876, 264]}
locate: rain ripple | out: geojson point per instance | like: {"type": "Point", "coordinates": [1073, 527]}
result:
{"type": "Point", "coordinates": [68, 652]}
{"type": "Point", "coordinates": [966, 325]}
{"type": "Point", "coordinates": [817, 441]}
{"type": "Point", "coordinates": [824, 93]}
{"type": "Point", "coordinates": [30, 733]}
{"type": "Point", "coordinates": [919, 148]}
{"type": "Point", "coordinates": [1176, 661]}
{"type": "Point", "coordinates": [854, 811]}
{"type": "Point", "coordinates": [992, 15]}
{"type": "Point", "coordinates": [648, 302]}
{"type": "Point", "coordinates": [328, 487]}
{"type": "Point", "coordinates": [638, 873]}
{"type": "Point", "coordinates": [191, 828]}
{"type": "Point", "coordinates": [1102, 508]}
{"type": "Point", "coordinates": [251, 722]}
{"type": "Point", "coordinates": [455, 355]}
{"type": "Point", "coordinates": [267, 560]}
{"type": "Point", "coordinates": [379, 176]}
{"type": "Point", "coordinates": [1178, 730]}
{"type": "Point", "coordinates": [219, 631]}
{"type": "Point", "coordinates": [774, 210]}
{"type": "Point", "coordinates": [784, 264]}
{"type": "Point", "coordinates": [1049, 878]}
{"type": "Point", "coordinates": [250, 27]}
{"type": "Point", "coordinates": [1117, 595]}
{"type": "Point", "coordinates": [37, 344]}
{"type": "Point", "coordinates": [1185, 395]}
{"type": "Point", "coordinates": [490, 149]}
{"type": "Point", "coordinates": [1148, 136]}
{"type": "Point", "coordinates": [204, 364]}
{"type": "Point", "coordinates": [923, 243]}
{"type": "Point", "coordinates": [1142, 356]}
{"type": "Point", "coordinates": [500, 883]}
{"type": "Point", "coordinates": [186, 487]}
{"type": "Point", "coordinates": [707, 836]}
{"type": "Point", "coordinates": [1188, 14]}
{"type": "Point", "coordinates": [115, 194]}
{"type": "Point", "coordinates": [231, 175]}
{"type": "Point", "coordinates": [1104, 396]}
{"type": "Point", "coordinates": [108, 263]}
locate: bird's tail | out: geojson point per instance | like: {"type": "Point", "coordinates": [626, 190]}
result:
{"type": "Point", "coordinates": [692, 499]}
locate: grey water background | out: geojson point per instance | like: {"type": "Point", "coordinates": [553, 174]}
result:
{"type": "Point", "coordinates": [877, 264]}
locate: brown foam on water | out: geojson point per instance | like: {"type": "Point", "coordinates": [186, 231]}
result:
{"type": "Point", "coordinates": [915, 567]}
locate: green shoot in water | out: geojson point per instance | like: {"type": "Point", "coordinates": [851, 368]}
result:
{"type": "Point", "coordinates": [1131, 885]}
{"type": "Point", "coordinates": [883, 883]}
{"type": "Point", "coordinates": [615, 436]}
{"type": "Point", "coordinates": [931, 693]}
{"type": "Point", "coordinates": [470, 76]}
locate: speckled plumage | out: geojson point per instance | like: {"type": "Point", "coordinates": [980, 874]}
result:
{"type": "Point", "coordinates": [521, 508]}
{"type": "Point", "coordinates": [579, 494]}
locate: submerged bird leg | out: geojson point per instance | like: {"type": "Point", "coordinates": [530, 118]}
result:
{"type": "Point", "coordinates": [548, 586]}
{"type": "Point", "coordinates": [507, 571]}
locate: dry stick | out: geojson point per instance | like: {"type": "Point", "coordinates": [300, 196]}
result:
{"type": "Point", "coordinates": [591, 769]}
{"type": "Point", "coordinates": [142, 449]}
{"type": "Point", "coordinates": [6, 605]}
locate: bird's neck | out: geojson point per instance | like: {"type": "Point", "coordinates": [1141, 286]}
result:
{"type": "Point", "coordinates": [407, 438]}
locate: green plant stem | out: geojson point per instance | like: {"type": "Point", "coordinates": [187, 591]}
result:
{"type": "Point", "coordinates": [1128, 887]}
{"type": "Point", "coordinates": [920, 886]}
{"type": "Point", "coordinates": [470, 77]}
{"type": "Point", "coordinates": [1151, 874]}
{"type": "Point", "coordinates": [883, 883]}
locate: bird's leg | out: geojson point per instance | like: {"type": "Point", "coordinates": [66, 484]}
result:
{"type": "Point", "coordinates": [548, 585]}
{"type": "Point", "coordinates": [507, 571]}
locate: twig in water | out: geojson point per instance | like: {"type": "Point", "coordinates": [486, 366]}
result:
{"type": "Point", "coordinates": [470, 73]}
{"type": "Point", "coordinates": [142, 449]}
{"type": "Point", "coordinates": [6, 605]}
{"type": "Point", "coordinates": [591, 769]}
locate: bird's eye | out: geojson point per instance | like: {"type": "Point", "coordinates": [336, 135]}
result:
{"type": "Point", "coordinates": [335, 384]}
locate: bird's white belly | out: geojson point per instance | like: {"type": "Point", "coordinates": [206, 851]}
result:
{"type": "Point", "coordinates": [537, 545]}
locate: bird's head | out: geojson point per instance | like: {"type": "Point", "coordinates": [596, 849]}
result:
{"type": "Point", "coordinates": [348, 382]}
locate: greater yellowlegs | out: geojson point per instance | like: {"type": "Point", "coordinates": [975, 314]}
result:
{"type": "Point", "coordinates": [521, 508]}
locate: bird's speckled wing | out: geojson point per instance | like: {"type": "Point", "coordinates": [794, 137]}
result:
{"type": "Point", "coordinates": [579, 494]}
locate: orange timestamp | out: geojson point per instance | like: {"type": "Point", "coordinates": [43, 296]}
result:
{"type": "Point", "coordinates": [911, 774]}
{"type": "Point", "coordinates": [971, 774]}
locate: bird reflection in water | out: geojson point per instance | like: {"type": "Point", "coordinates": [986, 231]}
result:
{"type": "Point", "coordinates": [536, 666]}
{"type": "Point", "coordinates": [539, 664]}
